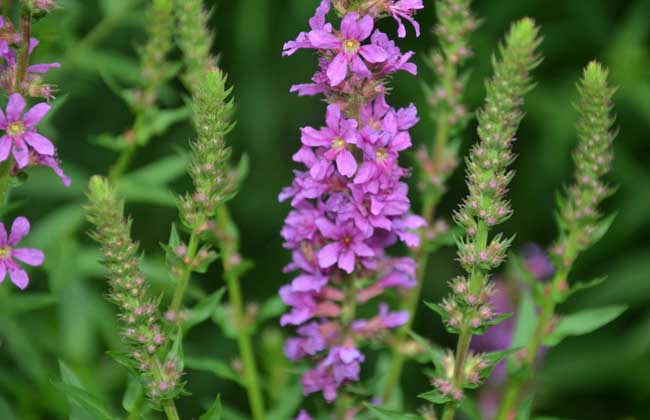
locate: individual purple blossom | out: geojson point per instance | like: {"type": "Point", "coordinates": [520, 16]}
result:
{"type": "Point", "coordinates": [33, 78]}
{"type": "Point", "coordinates": [336, 137]}
{"type": "Point", "coordinates": [348, 244]}
{"type": "Point", "coordinates": [404, 9]}
{"type": "Point", "coordinates": [9, 254]}
{"type": "Point", "coordinates": [342, 364]}
{"type": "Point", "coordinates": [20, 131]}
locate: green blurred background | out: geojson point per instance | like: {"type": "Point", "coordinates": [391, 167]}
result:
{"type": "Point", "coordinates": [604, 375]}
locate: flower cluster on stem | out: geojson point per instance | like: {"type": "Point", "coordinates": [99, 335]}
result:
{"type": "Point", "coordinates": [350, 202]}
{"type": "Point", "coordinates": [468, 309]}
{"type": "Point", "coordinates": [143, 330]}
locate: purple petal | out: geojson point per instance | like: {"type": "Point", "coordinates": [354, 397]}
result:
{"type": "Point", "coordinates": [21, 153]}
{"type": "Point", "coordinates": [373, 53]}
{"type": "Point", "coordinates": [3, 235]}
{"type": "Point", "coordinates": [3, 121]}
{"type": "Point", "coordinates": [18, 276]}
{"type": "Point", "coordinates": [36, 114]}
{"type": "Point", "coordinates": [333, 116]}
{"type": "Point", "coordinates": [346, 164]}
{"type": "Point", "coordinates": [346, 261]}
{"type": "Point", "coordinates": [350, 27]}
{"type": "Point", "coordinates": [365, 26]}
{"type": "Point", "coordinates": [327, 228]}
{"type": "Point", "coordinates": [323, 40]}
{"type": "Point", "coordinates": [19, 229]}
{"type": "Point", "coordinates": [43, 68]}
{"type": "Point", "coordinates": [30, 256]}
{"type": "Point", "coordinates": [5, 147]}
{"type": "Point", "coordinates": [337, 70]}
{"type": "Point", "coordinates": [40, 143]}
{"type": "Point", "coordinates": [15, 107]}
{"type": "Point", "coordinates": [51, 162]}
{"type": "Point", "coordinates": [328, 255]}
{"type": "Point", "coordinates": [358, 67]}
{"type": "Point", "coordinates": [3, 271]}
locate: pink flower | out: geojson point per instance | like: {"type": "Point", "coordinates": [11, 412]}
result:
{"type": "Point", "coordinates": [404, 9]}
{"type": "Point", "coordinates": [8, 254]}
{"type": "Point", "coordinates": [348, 244]}
{"type": "Point", "coordinates": [339, 134]}
{"type": "Point", "coordinates": [20, 131]}
{"type": "Point", "coordinates": [303, 415]}
{"type": "Point", "coordinates": [348, 49]}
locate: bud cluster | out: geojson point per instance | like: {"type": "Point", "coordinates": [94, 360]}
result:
{"type": "Point", "coordinates": [194, 39]}
{"type": "Point", "coordinates": [579, 212]}
{"type": "Point", "coordinates": [473, 372]}
{"type": "Point", "coordinates": [214, 182]}
{"type": "Point", "coordinates": [155, 68]}
{"type": "Point", "coordinates": [143, 330]}
{"type": "Point", "coordinates": [468, 310]}
{"type": "Point", "coordinates": [445, 97]}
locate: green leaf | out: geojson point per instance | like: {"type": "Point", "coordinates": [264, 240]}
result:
{"type": "Point", "coordinates": [71, 386]}
{"type": "Point", "coordinates": [526, 321]}
{"type": "Point", "coordinates": [162, 171]}
{"type": "Point", "coordinates": [218, 367]}
{"type": "Point", "coordinates": [601, 228]}
{"type": "Point", "coordinates": [176, 352]}
{"type": "Point", "coordinates": [385, 414]}
{"type": "Point", "coordinates": [436, 397]}
{"type": "Point", "coordinates": [214, 413]}
{"type": "Point", "coordinates": [203, 310]}
{"type": "Point", "coordinates": [436, 354]}
{"type": "Point", "coordinates": [583, 286]}
{"type": "Point", "coordinates": [272, 308]}
{"type": "Point", "coordinates": [133, 393]}
{"type": "Point", "coordinates": [583, 322]}
{"type": "Point", "coordinates": [116, 143]}
{"type": "Point", "coordinates": [157, 122]}
{"type": "Point", "coordinates": [138, 192]}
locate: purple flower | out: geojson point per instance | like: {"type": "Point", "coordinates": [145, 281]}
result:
{"type": "Point", "coordinates": [316, 23]}
{"type": "Point", "coordinates": [9, 254]}
{"type": "Point", "coordinates": [538, 262]}
{"type": "Point", "coordinates": [303, 415]}
{"type": "Point", "coordinates": [347, 48]}
{"type": "Point", "coordinates": [20, 131]}
{"type": "Point", "coordinates": [341, 365]}
{"type": "Point", "coordinates": [339, 134]}
{"type": "Point", "coordinates": [348, 244]}
{"type": "Point", "coordinates": [404, 9]}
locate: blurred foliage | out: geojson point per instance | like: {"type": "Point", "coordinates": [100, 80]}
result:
{"type": "Point", "coordinates": [64, 314]}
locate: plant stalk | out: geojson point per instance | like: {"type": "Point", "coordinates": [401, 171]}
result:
{"type": "Point", "coordinates": [184, 278]}
{"type": "Point", "coordinates": [228, 246]}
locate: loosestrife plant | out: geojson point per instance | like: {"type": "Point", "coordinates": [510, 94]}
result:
{"type": "Point", "coordinates": [22, 145]}
{"type": "Point", "coordinates": [359, 252]}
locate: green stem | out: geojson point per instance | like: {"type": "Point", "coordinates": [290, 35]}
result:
{"type": "Point", "coordinates": [6, 5]}
{"type": "Point", "coordinates": [184, 278]}
{"type": "Point", "coordinates": [228, 245]}
{"type": "Point", "coordinates": [126, 156]}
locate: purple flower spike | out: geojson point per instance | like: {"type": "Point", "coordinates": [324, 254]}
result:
{"type": "Point", "coordinates": [20, 131]}
{"type": "Point", "coordinates": [350, 202]}
{"type": "Point", "coordinates": [9, 254]}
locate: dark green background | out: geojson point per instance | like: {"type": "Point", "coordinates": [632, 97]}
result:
{"type": "Point", "coordinates": [600, 376]}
